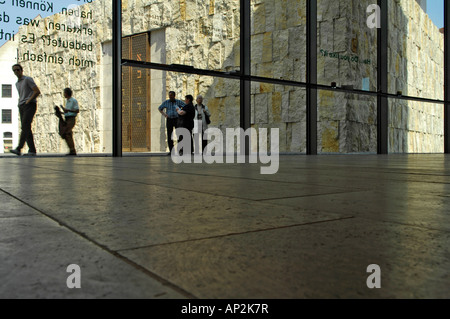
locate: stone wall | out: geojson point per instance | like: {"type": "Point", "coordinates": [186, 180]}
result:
{"type": "Point", "coordinates": [416, 68]}
{"type": "Point", "coordinates": [347, 123]}
{"type": "Point", "coordinates": [346, 56]}
{"type": "Point", "coordinates": [205, 34]}
{"type": "Point", "coordinates": [87, 80]}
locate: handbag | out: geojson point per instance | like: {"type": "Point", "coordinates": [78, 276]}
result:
{"type": "Point", "coordinates": [207, 119]}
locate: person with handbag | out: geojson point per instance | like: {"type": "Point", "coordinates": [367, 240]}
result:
{"type": "Point", "coordinates": [66, 126]}
{"type": "Point", "coordinates": [202, 119]}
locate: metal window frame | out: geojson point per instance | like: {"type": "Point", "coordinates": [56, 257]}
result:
{"type": "Point", "coordinates": [447, 76]}
{"type": "Point", "coordinates": [382, 80]}
{"type": "Point", "coordinates": [245, 77]}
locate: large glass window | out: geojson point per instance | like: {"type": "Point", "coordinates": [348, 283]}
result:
{"type": "Point", "coordinates": [416, 68]}
{"type": "Point", "coordinates": [347, 123]}
{"type": "Point", "coordinates": [284, 108]}
{"type": "Point", "coordinates": [416, 48]}
{"type": "Point", "coordinates": [145, 129]}
{"type": "Point", "coordinates": [69, 44]}
{"type": "Point", "coordinates": [201, 34]}
{"type": "Point", "coordinates": [278, 39]}
{"type": "Point", "coordinates": [415, 127]}
{"type": "Point", "coordinates": [347, 46]}
{"type": "Point", "coordinates": [61, 44]}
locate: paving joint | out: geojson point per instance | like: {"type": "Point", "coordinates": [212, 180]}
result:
{"type": "Point", "coordinates": [106, 249]}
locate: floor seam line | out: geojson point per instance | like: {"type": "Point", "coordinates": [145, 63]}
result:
{"type": "Point", "coordinates": [237, 234]}
{"type": "Point", "coordinates": [154, 276]}
{"type": "Point", "coordinates": [311, 195]}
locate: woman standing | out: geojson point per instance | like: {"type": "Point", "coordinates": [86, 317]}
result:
{"type": "Point", "coordinates": [201, 113]}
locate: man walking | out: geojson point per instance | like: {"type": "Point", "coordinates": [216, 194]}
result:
{"type": "Point", "coordinates": [171, 115]}
{"type": "Point", "coordinates": [28, 92]}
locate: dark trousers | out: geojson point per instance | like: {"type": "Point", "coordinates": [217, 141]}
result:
{"type": "Point", "coordinates": [67, 133]}
{"type": "Point", "coordinates": [202, 142]}
{"type": "Point", "coordinates": [27, 112]}
{"type": "Point", "coordinates": [180, 138]}
{"type": "Point", "coordinates": [171, 125]}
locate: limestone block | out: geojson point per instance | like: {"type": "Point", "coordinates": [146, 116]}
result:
{"type": "Point", "coordinates": [280, 15]}
{"type": "Point", "coordinates": [328, 10]}
{"type": "Point", "coordinates": [332, 105]}
{"type": "Point", "coordinates": [232, 112]}
{"type": "Point", "coordinates": [218, 28]}
{"type": "Point", "coordinates": [275, 111]}
{"type": "Point", "coordinates": [258, 17]}
{"type": "Point", "coordinates": [296, 13]}
{"type": "Point", "coordinates": [330, 72]}
{"type": "Point", "coordinates": [255, 88]}
{"type": "Point", "coordinates": [264, 70]}
{"type": "Point", "coordinates": [261, 108]}
{"type": "Point", "coordinates": [299, 73]}
{"type": "Point", "coordinates": [341, 35]}
{"type": "Point", "coordinates": [297, 105]}
{"type": "Point", "coordinates": [269, 14]}
{"type": "Point", "coordinates": [329, 136]}
{"type": "Point", "coordinates": [285, 102]}
{"type": "Point", "coordinates": [267, 55]}
{"type": "Point", "coordinates": [297, 42]}
{"type": "Point", "coordinates": [283, 69]}
{"type": "Point", "coordinates": [298, 140]}
{"type": "Point", "coordinates": [215, 57]}
{"type": "Point", "coordinates": [280, 44]}
{"type": "Point", "coordinates": [257, 44]}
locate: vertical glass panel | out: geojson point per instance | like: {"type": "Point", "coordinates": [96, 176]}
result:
{"type": "Point", "coordinates": [416, 48]}
{"type": "Point", "coordinates": [63, 44]}
{"type": "Point", "coordinates": [220, 95]}
{"type": "Point", "coordinates": [347, 123]}
{"type": "Point", "coordinates": [278, 39]}
{"type": "Point", "coordinates": [280, 107]}
{"type": "Point", "coordinates": [347, 45]}
{"type": "Point", "coordinates": [415, 127]}
{"type": "Point", "coordinates": [201, 34]}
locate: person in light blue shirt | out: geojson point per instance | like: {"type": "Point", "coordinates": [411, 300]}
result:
{"type": "Point", "coordinates": [170, 106]}
{"type": "Point", "coordinates": [71, 111]}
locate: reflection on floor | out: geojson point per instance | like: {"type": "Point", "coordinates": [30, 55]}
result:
{"type": "Point", "coordinates": [144, 227]}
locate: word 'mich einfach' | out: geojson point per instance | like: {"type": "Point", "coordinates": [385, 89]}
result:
{"type": "Point", "coordinates": [74, 28]}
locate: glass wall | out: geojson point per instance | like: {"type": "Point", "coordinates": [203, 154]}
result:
{"type": "Point", "coordinates": [280, 107]}
{"type": "Point", "coordinates": [144, 128]}
{"type": "Point", "coordinates": [346, 45]}
{"type": "Point", "coordinates": [415, 127]}
{"type": "Point", "coordinates": [201, 34]}
{"type": "Point", "coordinates": [347, 59]}
{"type": "Point", "coordinates": [347, 123]}
{"type": "Point", "coordinates": [416, 49]}
{"type": "Point", "coordinates": [69, 44]}
{"type": "Point", "coordinates": [278, 39]}
{"type": "Point", "coordinates": [62, 44]}
{"type": "Point", "coordinates": [416, 69]}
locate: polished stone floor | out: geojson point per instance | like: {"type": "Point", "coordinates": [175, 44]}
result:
{"type": "Point", "coordinates": [144, 227]}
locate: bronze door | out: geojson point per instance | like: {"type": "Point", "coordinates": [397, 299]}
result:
{"type": "Point", "coordinates": [136, 95]}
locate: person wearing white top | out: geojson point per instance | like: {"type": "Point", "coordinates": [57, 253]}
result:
{"type": "Point", "coordinates": [200, 121]}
